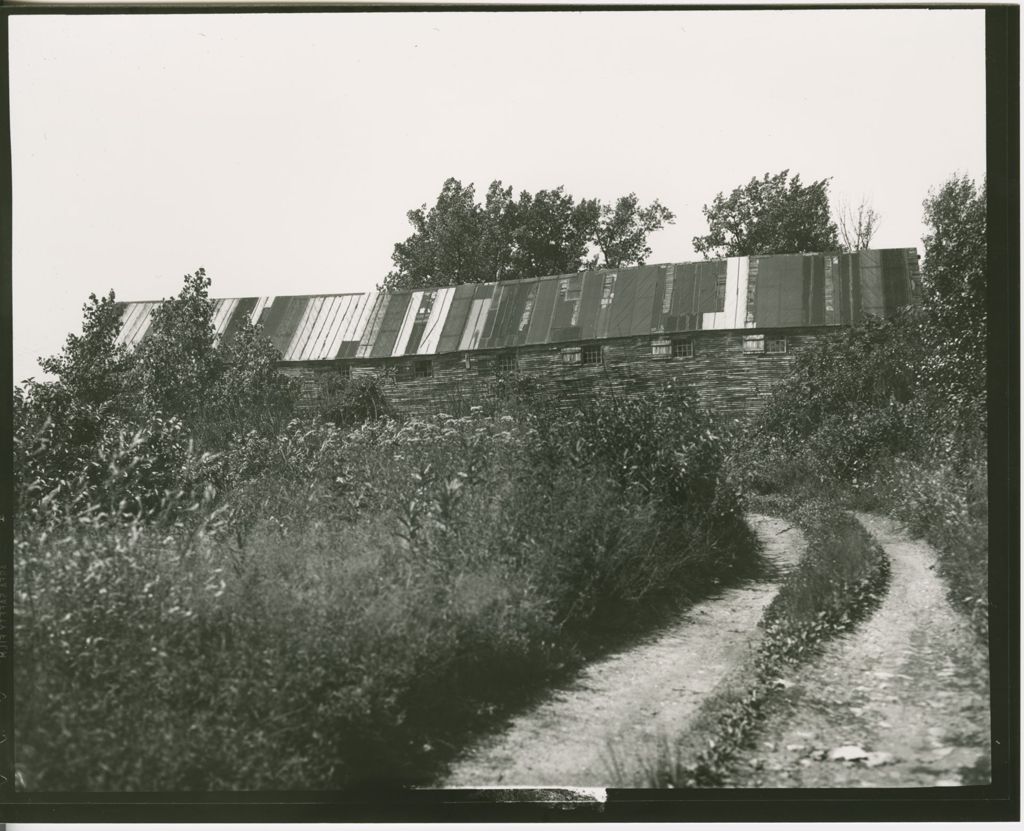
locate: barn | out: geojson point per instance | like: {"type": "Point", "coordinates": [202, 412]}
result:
{"type": "Point", "coordinates": [731, 328]}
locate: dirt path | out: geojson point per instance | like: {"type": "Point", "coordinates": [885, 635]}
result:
{"type": "Point", "coordinates": [907, 691]}
{"type": "Point", "coordinates": [633, 697]}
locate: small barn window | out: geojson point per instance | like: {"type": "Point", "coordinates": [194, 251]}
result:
{"type": "Point", "coordinates": [776, 346]}
{"type": "Point", "coordinates": [414, 371]}
{"type": "Point", "coordinates": [661, 348]}
{"type": "Point", "coordinates": [507, 362]}
{"type": "Point", "coordinates": [753, 343]}
{"type": "Point", "coordinates": [682, 349]}
{"type": "Point", "coordinates": [592, 354]}
{"type": "Point", "coordinates": [344, 371]}
{"type": "Point", "coordinates": [572, 355]}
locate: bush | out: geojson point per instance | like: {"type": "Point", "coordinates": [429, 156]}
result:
{"type": "Point", "coordinates": [330, 606]}
{"type": "Point", "coordinates": [890, 415]}
{"type": "Point", "coordinates": [351, 401]}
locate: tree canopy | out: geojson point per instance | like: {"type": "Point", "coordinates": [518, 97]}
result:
{"type": "Point", "coordinates": [955, 282]}
{"type": "Point", "coordinates": [458, 240]}
{"type": "Point", "coordinates": [178, 372]}
{"type": "Point", "coordinates": [772, 215]}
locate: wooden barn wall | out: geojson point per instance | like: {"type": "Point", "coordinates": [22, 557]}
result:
{"type": "Point", "coordinates": [727, 380]}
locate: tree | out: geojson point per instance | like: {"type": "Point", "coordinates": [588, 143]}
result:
{"type": "Point", "coordinates": [772, 215]}
{"type": "Point", "coordinates": [548, 232]}
{"type": "Point", "coordinates": [446, 243]}
{"type": "Point", "coordinates": [552, 233]}
{"type": "Point", "coordinates": [90, 367]}
{"type": "Point", "coordinates": [623, 230]}
{"type": "Point", "coordinates": [858, 231]}
{"type": "Point", "coordinates": [178, 371]}
{"type": "Point", "coordinates": [955, 279]}
{"type": "Point", "coordinates": [176, 365]}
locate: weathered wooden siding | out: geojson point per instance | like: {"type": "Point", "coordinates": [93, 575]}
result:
{"type": "Point", "coordinates": [726, 379]}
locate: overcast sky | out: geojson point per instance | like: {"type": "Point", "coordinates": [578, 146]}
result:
{"type": "Point", "coordinates": [281, 152]}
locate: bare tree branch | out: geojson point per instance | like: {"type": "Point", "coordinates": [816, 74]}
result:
{"type": "Point", "coordinates": [856, 231]}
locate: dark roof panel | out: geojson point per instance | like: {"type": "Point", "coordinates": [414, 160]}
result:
{"type": "Point", "coordinates": [760, 292]}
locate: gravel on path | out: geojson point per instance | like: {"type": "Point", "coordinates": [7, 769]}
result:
{"type": "Point", "coordinates": [635, 698]}
{"type": "Point", "coordinates": [901, 701]}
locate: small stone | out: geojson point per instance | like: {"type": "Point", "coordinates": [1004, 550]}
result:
{"type": "Point", "coordinates": [847, 753]}
{"type": "Point", "coordinates": [769, 746]}
{"type": "Point", "coordinates": [805, 763]}
{"type": "Point", "coordinates": [941, 752]}
{"type": "Point", "coordinates": [796, 748]}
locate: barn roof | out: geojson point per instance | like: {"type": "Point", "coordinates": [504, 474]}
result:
{"type": "Point", "coordinates": [764, 292]}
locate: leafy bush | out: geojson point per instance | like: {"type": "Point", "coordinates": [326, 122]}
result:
{"type": "Point", "coordinates": [890, 415]}
{"type": "Point", "coordinates": [350, 401]}
{"type": "Point", "coordinates": [325, 606]}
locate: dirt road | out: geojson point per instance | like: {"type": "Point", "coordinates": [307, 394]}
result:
{"type": "Point", "coordinates": [902, 701]}
{"type": "Point", "coordinates": [633, 697]}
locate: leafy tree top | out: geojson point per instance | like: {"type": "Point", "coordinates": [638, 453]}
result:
{"type": "Point", "coordinates": [459, 240]}
{"type": "Point", "coordinates": [955, 245]}
{"type": "Point", "coordinates": [956, 281]}
{"type": "Point", "coordinates": [772, 215]}
{"type": "Point", "coordinates": [179, 370]}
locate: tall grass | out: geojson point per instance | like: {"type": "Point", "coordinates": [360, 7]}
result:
{"type": "Point", "coordinates": [341, 606]}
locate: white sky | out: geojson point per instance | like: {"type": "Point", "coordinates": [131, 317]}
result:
{"type": "Point", "coordinates": [282, 151]}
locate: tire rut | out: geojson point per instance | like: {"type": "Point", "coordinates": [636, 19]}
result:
{"type": "Point", "coordinates": [906, 692]}
{"type": "Point", "coordinates": [635, 698]}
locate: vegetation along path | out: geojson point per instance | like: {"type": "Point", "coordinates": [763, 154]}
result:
{"type": "Point", "coordinates": [635, 698]}
{"type": "Point", "coordinates": [902, 701]}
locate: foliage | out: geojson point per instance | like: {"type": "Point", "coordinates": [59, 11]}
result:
{"type": "Point", "coordinates": [955, 280]}
{"type": "Point", "coordinates": [179, 392]}
{"type": "Point", "coordinates": [458, 240]}
{"type": "Point", "coordinates": [176, 363]}
{"type": "Point", "coordinates": [622, 233]}
{"type": "Point", "coordinates": [846, 401]}
{"type": "Point", "coordinates": [348, 401]}
{"type": "Point", "coordinates": [90, 367]}
{"type": "Point", "coordinates": [322, 605]}
{"type": "Point", "coordinates": [247, 391]}
{"type": "Point", "coordinates": [890, 415]}
{"type": "Point", "coordinates": [775, 214]}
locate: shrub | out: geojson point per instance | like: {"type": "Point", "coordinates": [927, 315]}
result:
{"type": "Point", "coordinates": [329, 605]}
{"type": "Point", "coordinates": [348, 401]}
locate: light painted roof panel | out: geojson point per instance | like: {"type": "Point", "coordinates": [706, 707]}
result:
{"type": "Point", "coordinates": [760, 292]}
